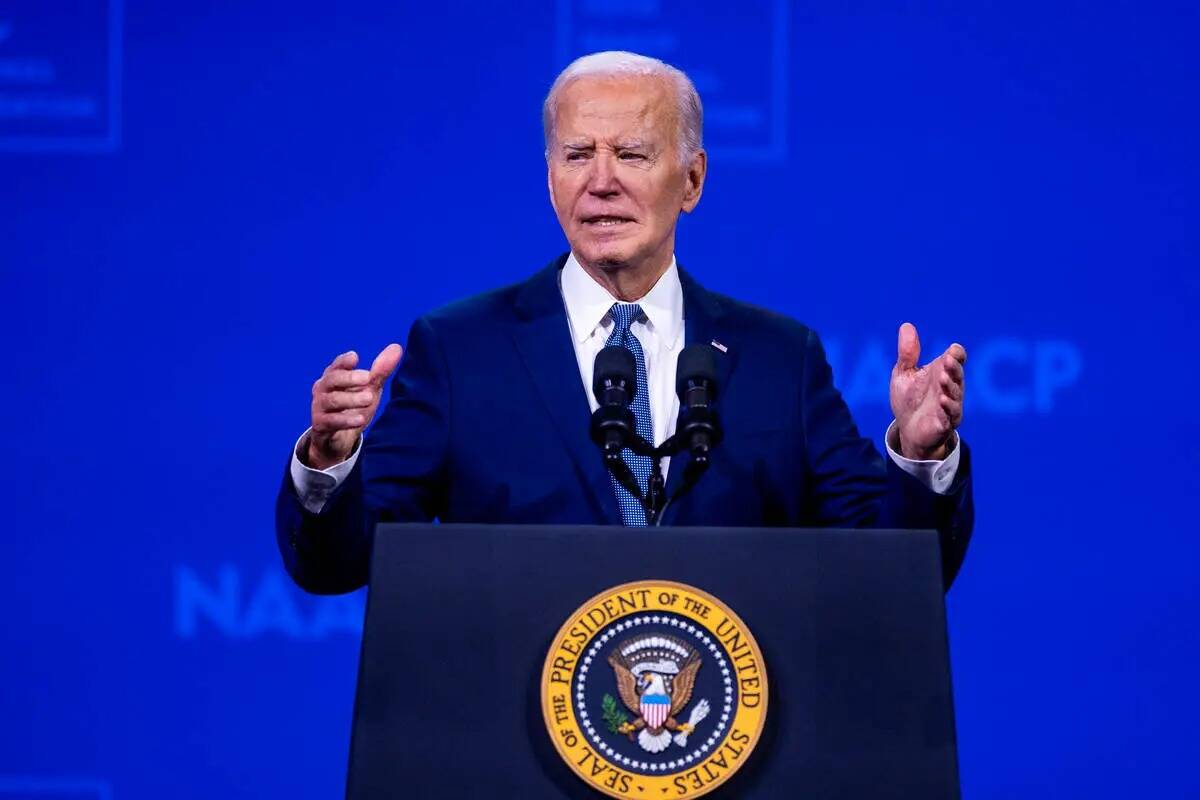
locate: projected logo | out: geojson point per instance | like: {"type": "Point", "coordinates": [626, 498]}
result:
{"type": "Point", "coordinates": [228, 605]}
{"type": "Point", "coordinates": [742, 80]}
{"type": "Point", "coordinates": [60, 74]}
{"type": "Point", "coordinates": [1005, 376]}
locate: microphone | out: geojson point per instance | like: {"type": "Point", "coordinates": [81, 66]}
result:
{"type": "Point", "coordinates": [696, 385]}
{"type": "Point", "coordinates": [614, 383]}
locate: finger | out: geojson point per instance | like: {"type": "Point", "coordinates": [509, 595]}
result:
{"type": "Point", "coordinates": [951, 388]}
{"type": "Point", "coordinates": [908, 347]}
{"type": "Point", "coordinates": [344, 379]}
{"type": "Point", "coordinates": [957, 352]}
{"type": "Point", "coordinates": [953, 410]}
{"type": "Point", "coordinates": [347, 360]}
{"type": "Point", "coordinates": [385, 363]}
{"type": "Point", "coordinates": [343, 401]}
{"type": "Point", "coordinates": [333, 421]}
{"type": "Point", "coordinates": [953, 368]}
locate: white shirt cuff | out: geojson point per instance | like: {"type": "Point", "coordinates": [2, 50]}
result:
{"type": "Point", "coordinates": [937, 475]}
{"type": "Point", "coordinates": [314, 486]}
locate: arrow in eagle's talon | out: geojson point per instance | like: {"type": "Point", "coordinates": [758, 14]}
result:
{"type": "Point", "coordinates": [698, 714]}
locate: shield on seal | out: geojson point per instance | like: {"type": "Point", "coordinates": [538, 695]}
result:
{"type": "Point", "coordinates": [655, 709]}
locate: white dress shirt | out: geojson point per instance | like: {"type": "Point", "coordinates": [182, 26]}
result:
{"type": "Point", "coordinates": [660, 332]}
{"type": "Point", "coordinates": [661, 336]}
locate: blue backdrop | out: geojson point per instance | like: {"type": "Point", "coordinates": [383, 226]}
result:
{"type": "Point", "coordinates": [199, 208]}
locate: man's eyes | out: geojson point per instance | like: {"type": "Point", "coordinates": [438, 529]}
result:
{"type": "Point", "coordinates": [626, 155]}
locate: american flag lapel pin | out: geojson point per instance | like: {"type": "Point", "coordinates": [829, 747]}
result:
{"type": "Point", "coordinates": [719, 346]}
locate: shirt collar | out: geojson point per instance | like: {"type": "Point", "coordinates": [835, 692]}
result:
{"type": "Point", "coordinates": [588, 303]}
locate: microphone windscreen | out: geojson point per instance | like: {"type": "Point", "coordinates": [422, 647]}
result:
{"type": "Point", "coordinates": [697, 362]}
{"type": "Point", "coordinates": [614, 365]}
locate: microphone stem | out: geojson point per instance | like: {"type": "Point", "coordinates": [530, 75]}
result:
{"type": "Point", "coordinates": [654, 493]}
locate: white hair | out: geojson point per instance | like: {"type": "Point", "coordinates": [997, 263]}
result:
{"type": "Point", "coordinates": [618, 63]}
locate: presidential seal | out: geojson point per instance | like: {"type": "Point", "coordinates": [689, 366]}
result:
{"type": "Point", "coordinates": [654, 689]}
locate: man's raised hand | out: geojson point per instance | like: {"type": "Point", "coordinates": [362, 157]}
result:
{"type": "Point", "coordinates": [927, 401]}
{"type": "Point", "coordinates": [344, 401]}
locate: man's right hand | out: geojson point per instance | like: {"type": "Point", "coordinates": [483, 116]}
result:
{"type": "Point", "coordinates": [344, 402]}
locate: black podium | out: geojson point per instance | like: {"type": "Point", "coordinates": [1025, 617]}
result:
{"type": "Point", "coordinates": [851, 625]}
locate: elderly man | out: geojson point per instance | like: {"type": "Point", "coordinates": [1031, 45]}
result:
{"type": "Point", "coordinates": [488, 417]}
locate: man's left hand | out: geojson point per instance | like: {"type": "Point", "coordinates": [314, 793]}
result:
{"type": "Point", "coordinates": [927, 401]}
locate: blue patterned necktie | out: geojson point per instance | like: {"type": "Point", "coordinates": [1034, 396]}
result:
{"type": "Point", "coordinates": [632, 512]}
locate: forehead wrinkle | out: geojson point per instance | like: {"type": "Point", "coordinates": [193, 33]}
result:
{"type": "Point", "coordinates": [620, 136]}
{"type": "Point", "coordinates": [652, 111]}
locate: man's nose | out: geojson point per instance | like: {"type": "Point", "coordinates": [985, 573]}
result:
{"type": "Point", "coordinates": [603, 179]}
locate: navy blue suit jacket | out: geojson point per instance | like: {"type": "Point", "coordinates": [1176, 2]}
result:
{"type": "Point", "coordinates": [488, 422]}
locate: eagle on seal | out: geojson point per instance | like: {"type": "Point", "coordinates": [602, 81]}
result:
{"type": "Point", "coordinates": [655, 677]}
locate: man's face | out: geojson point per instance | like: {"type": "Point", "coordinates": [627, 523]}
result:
{"type": "Point", "coordinates": [616, 178]}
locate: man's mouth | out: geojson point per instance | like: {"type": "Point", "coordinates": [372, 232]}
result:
{"type": "Point", "coordinates": [606, 220]}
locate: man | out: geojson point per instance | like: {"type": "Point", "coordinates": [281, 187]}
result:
{"type": "Point", "coordinates": [489, 410]}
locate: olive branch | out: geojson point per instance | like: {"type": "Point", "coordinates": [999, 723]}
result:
{"type": "Point", "coordinates": [613, 715]}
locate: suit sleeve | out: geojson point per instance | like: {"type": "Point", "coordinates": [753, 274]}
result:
{"type": "Point", "coordinates": [400, 476]}
{"type": "Point", "coordinates": [852, 486]}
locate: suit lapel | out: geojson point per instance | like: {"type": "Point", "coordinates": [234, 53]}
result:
{"type": "Point", "coordinates": [705, 323]}
{"type": "Point", "coordinates": [543, 338]}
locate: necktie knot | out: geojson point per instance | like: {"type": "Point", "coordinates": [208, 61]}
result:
{"type": "Point", "coordinates": [623, 315]}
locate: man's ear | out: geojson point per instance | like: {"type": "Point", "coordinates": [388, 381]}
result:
{"type": "Point", "coordinates": [694, 187]}
{"type": "Point", "coordinates": [550, 183]}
